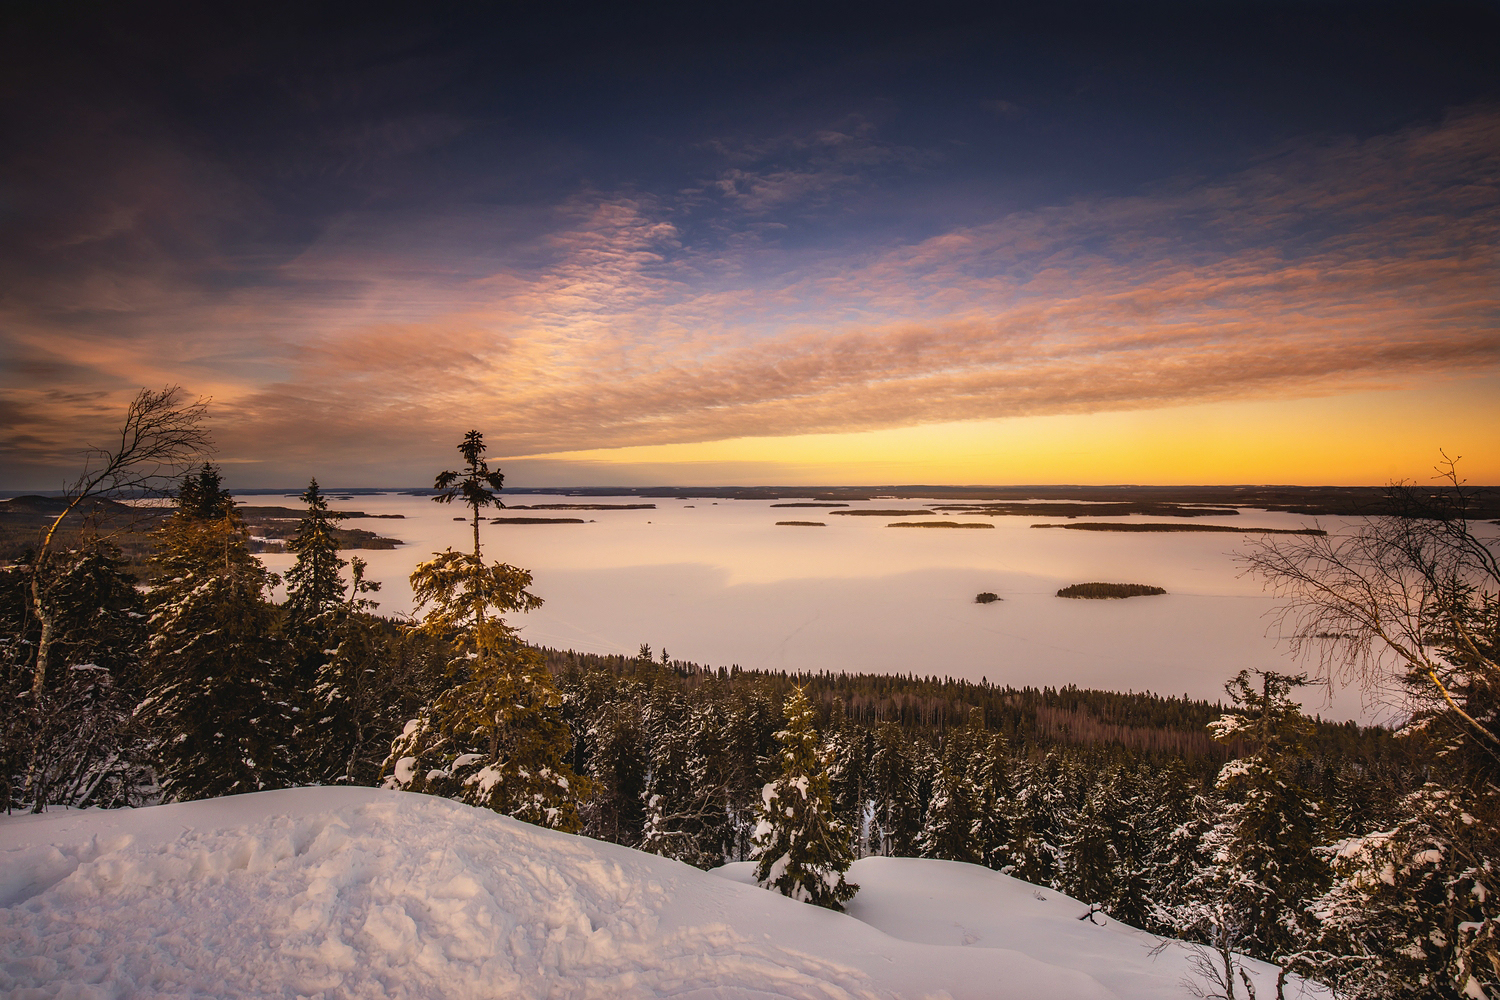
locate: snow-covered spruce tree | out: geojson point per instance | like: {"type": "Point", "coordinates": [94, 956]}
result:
{"type": "Point", "coordinates": [1413, 911]}
{"type": "Point", "coordinates": [751, 757]}
{"type": "Point", "coordinates": [217, 701]}
{"type": "Point", "coordinates": [615, 757]}
{"type": "Point", "coordinates": [314, 583]}
{"type": "Point", "coordinates": [1039, 797]}
{"type": "Point", "coordinates": [801, 848]}
{"type": "Point", "coordinates": [1171, 831]}
{"type": "Point", "coordinates": [338, 650]}
{"type": "Point", "coordinates": [354, 704]}
{"type": "Point", "coordinates": [685, 794]}
{"type": "Point", "coordinates": [948, 829]}
{"type": "Point", "coordinates": [893, 789]}
{"type": "Point", "coordinates": [713, 775]}
{"type": "Point", "coordinates": [1089, 852]}
{"type": "Point", "coordinates": [496, 737]}
{"type": "Point", "coordinates": [991, 769]}
{"type": "Point", "coordinates": [1261, 863]}
{"type": "Point", "coordinates": [847, 748]}
{"type": "Point", "coordinates": [668, 795]}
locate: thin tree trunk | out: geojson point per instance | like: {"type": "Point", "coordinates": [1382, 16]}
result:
{"type": "Point", "coordinates": [48, 620]}
{"type": "Point", "coordinates": [478, 568]}
{"type": "Point", "coordinates": [44, 614]}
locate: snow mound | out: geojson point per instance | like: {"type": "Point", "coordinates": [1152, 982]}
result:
{"type": "Point", "coordinates": [367, 893]}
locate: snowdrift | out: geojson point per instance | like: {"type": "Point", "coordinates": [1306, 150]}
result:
{"type": "Point", "coordinates": [321, 892]}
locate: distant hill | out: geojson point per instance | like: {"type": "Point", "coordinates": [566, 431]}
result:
{"type": "Point", "coordinates": [33, 504]}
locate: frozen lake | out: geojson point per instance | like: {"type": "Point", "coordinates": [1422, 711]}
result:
{"type": "Point", "coordinates": [718, 582]}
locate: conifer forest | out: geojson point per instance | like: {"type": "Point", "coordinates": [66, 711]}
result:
{"type": "Point", "coordinates": [1364, 858]}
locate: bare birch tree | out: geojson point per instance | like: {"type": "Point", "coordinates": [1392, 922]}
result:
{"type": "Point", "coordinates": [162, 435]}
{"type": "Point", "coordinates": [1411, 595]}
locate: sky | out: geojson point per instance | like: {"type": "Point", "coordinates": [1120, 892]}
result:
{"type": "Point", "coordinates": [769, 244]}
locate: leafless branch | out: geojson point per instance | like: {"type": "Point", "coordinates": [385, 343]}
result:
{"type": "Point", "coordinates": [159, 439]}
{"type": "Point", "coordinates": [1402, 595]}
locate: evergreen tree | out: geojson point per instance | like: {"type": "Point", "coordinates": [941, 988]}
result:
{"type": "Point", "coordinates": [357, 676]}
{"type": "Point", "coordinates": [847, 749]}
{"type": "Point", "coordinates": [615, 759]}
{"type": "Point", "coordinates": [217, 699]}
{"type": "Point", "coordinates": [686, 814]}
{"type": "Point", "coordinates": [496, 740]}
{"type": "Point", "coordinates": [668, 795]}
{"type": "Point", "coordinates": [496, 737]}
{"type": "Point", "coordinates": [1261, 862]}
{"type": "Point", "coordinates": [893, 787]}
{"type": "Point", "coordinates": [992, 785]}
{"type": "Point", "coordinates": [712, 777]}
{"type": "Point", "coordinates": [338, 649]}
{"type": "Point", "coordinates": [1413, 910]}
{"type": "Point", "coordinates": [753, 759]}
{"type": "Point", "coordinates": [801, 848]}
{"type": "Point", "coordinates": [948, 829]}
{"type": "Point", "coordinates": [313, 583]}
{"type": "Point", "coordinates": [475, 486]}
{"type": "Point", "coordinates": [1032, 853]}
{"type": "Point", "coordinates": [1159, 857]}
{"type": "Point", "coordinates": [1176, 864]}
{"type": "Point", "coordinates": [1089, 850]}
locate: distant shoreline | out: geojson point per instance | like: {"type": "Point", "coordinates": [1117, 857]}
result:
{"type": "Point", "coordinates": [1346, 501]}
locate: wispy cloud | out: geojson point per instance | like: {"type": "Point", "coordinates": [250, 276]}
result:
{"type": "Point", "coordinates": [805, 170]}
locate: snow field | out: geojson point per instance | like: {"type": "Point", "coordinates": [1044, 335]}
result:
{"type": "Point", "coordinates": [347, 892]}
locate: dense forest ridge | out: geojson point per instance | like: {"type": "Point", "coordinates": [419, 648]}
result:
{"type": "Point", "coordinates": [1159, 725]}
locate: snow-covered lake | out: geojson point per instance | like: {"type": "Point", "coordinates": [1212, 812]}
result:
{"type": "Point", "coordinates": [718, 582]}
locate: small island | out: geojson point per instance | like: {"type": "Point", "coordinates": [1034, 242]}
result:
{"type": "Point", "coordinates": [936, 524]}
{"type": "Point", "coordinates": [987, 598]}
{"type": "Point", "coordinates": [1109, 591]}
{"type": "Point", "coordinates": [803, 524]}
{"type": "Point", "coordinates": [1157, 527]}
{"type": "Point", "coordinates": [582, 506]}
{"type": "Point", "coordinates": [539, 520]}
{"type": "Point", "coordinates": [884, 513]}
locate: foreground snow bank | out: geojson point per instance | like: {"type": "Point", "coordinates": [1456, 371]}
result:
{"type": "Point", "coordinates": [949, 905]}
{"type": "Point", "coordinates": [361, 892]}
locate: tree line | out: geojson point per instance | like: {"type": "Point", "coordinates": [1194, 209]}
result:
{"type": "Point", "coordinates": [1362, 858]}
